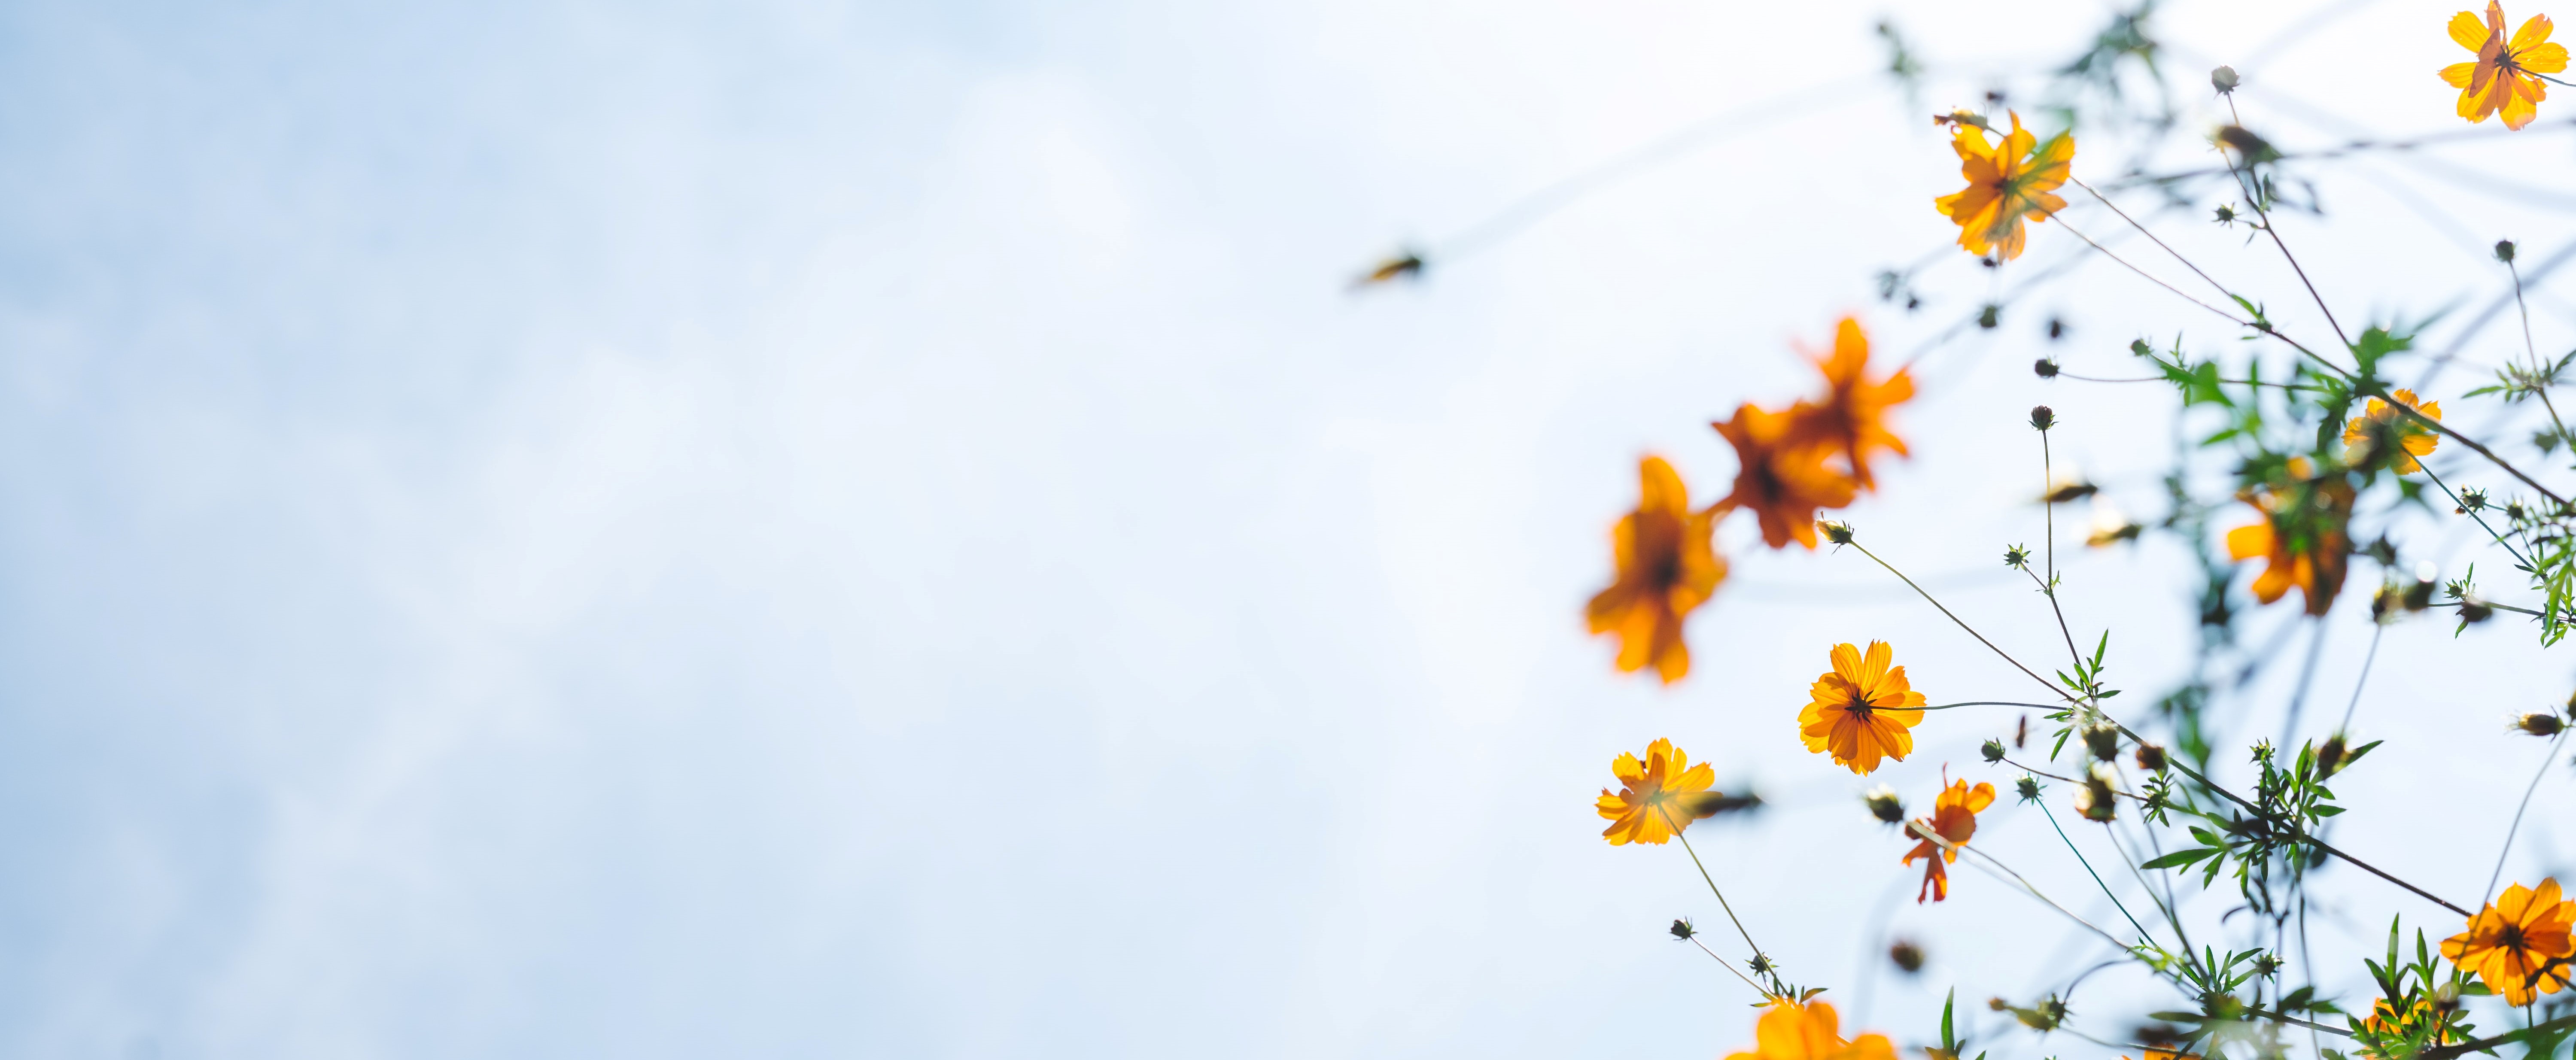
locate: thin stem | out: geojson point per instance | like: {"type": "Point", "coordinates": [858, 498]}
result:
{"type": "Point", "coordinates": [1712, 882]}
{"type": "Point", "coordinates": [1991, 703]}
{"type": "Point", "coordinates": [1981, 638]}
{"type": "Point", "coordinates": [2097, 877]}
{"type": "Point", "coordinates": [2048, 502]}
{"type": "Point", "coordinates": [2363, 681]}
{"type": "Point", "coordinates": [2152, 278]}
{"type": "Point", "coordinates": [2160, 379]}
{"type": "Point", "coordinates": [2151, 236]}
{"type": "Point", "coordinates": [2456, 502]}
{"type": "Point", "coordinates": [2311, 840]}
{"type": "Point", "coordinates": [2254, 198]}
{"type": "Point", "coordinates": [2518, 811]}
{"type": "Point", "coordinates": [1730, 966]}
{"type": "Point", "coordinates": [1956, 848]}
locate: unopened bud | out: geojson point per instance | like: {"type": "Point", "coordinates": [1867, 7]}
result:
{"type": "Point", "coordinates": [2096, 800]}
{"type": "Point", "coordinates": [2504, 250]}
{"type": "Point", "coordinates": [2475, 610]}
{"type": "Point", "coordinates": [2027, 787]}
{"type": "Point", "coordinates": [2330, 756]}
{"type": "Point", "coordinates": [2043, 417]}
{"type": "Point", "coordinates": [1683, 930]}
{"type": "Point", "coordinates": [2103, 741]}
{"type": "Point", "coordinates": [2044, 368]}
{"type": "Point", "coordinates": [1906, 955]}
{"type": "Point", "coordinates": [2539, 724]}
{"type": "Point", "coordinates": [2223, 79]}
{"type": "Point", "coordinates": [2151, 758]}
{"type": "Point", "coordinates": [1990, 316]}
{"type": "Point", "coordinates": [1993, 750]}
{"type": "Point", "coordinates": [1838, 533]}
{"type": "Point", "coordinates": [2056, 329]}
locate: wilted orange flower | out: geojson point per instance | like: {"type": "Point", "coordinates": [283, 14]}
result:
{"type": "Point", "coordinates": [2007, 182]}
{"type": "Point", "coordinates": [1861, 711]}
{"type": "Point", "coordinates": [1654, 801]}
{"type": "Point", "coordinates": [2414, 438]}
{"type": "Point", "coordinates": [2302, 538]}
{"type": "Point", "coordinates": [1667, 566]}
{"type": "Point", "coordinates": [2503, 78]}
{"type": "Point", "coordinates": [1783, 478]}
{"type": "Point", "coordinates": [1852, 417]}
{"type": "Point", "coordinates": [2518, 943]}
{"type": "Point", "coordinates": [1791, 1031]}
{"type": "Point", "coordinates": [1954, 818]}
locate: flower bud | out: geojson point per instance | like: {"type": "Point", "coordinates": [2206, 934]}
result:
{"type": "Point", "coordinates": [2056, 329]}
{"type": "Point", "coordinates": [1993, 750]}
{"type": "Point", "coordinates": [2539, 724]}
{"type": "Point", "coordinates": [2223, 79]}
{"type": "Point", "coordinates": [1838, 533]}
{"type": "Point", "coordinates": [2151, 758]}
{"type": "Point", "coordinates": [1884, 805]}
{"type": "Point", "coordinates": [1990, 316]}
{"type": "Point", "coordinates": [2473, 609]}
{"type": "Point", "coordinates": [2045, 368]}
{"type": "Point", "coordinates": [2043, 417]}
{"type": "Point", "coordinates": [1906, 955]}
{"type": "Point", "coordinates": [2017, 557]}
{"type": "Point", "coordinates": [1683, 930]}
{"type": "Point", "coordinates": [2027, 787]}
{"type": "Point", "coordinates": [2330, 756]}
{"type": "Point", "coordinates": [2504, 251]}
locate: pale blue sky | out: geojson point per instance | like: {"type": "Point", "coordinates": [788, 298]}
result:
{"type": "Point", "coordinates": [797, 529]}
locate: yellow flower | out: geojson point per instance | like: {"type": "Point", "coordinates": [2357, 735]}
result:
{"type": "Point", "coordinates": [1861, 711]}
{"type": "Point", "coordinates": [1782, 477]}
{"type": "Point", "coordinates": [2518, 943]}
{"type": "Point", "coordinates": [1791, 1031]}
{"type": "Point", "coordinates": [1667, 566]}
{"type": "Point", "coordinates": [1852, 417]}
{"type": "Point", "coordinates": [2007, 182]}
{"type": "Point", "coordinates": [2504, 77]}
{"type": "Point", "coordinates": [2302, 538]}
{"type": "Point", "coordinates": [1954, 818]}
{"type": "Point", "coordinates": [1655, 801]}
{"type": "Point", "coordinates": [2414, 439]}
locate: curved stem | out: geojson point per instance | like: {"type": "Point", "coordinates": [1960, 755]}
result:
{"type": "Point", "coordinates": [2364, 680]}
{"type": "Point", "coordinates": [2518, 811]}
{"type": "Point", "coordinates": [1712, 882]}
{"type": "Point", "coordinates": [1981, 638]}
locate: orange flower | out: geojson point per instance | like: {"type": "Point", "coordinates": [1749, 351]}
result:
{"type": "Point", "coordinates": [1654, 802]}
{"type": "Point", "coordinates": [1782, 477]}
{"type": "Point", "coordinates": [1954, 818]}
{"type": "Point", "coordinates": [2007, 182]}
{"type": "Point", "coordinates": [1667, 566]}
{"type": "Point", "coordinates": [2505, 76]}
{"type": "Point", "coordinates": [1852, 417]}
{"type": "Point", "coordinates": [2518, 943]}
{"type": "Point", "coordinates": [1860, 712]}
{"type": "Point", "coordinates": [1791, 1031]}
{"type": "Point", "coordinates": [2302, 538]}
{"type": "Point", "coordinates": [2421, 1016]}
{"type": "Point", "coordinates": [2414, 439]}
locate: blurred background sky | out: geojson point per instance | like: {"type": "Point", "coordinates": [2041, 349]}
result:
{"type": "Point", "coordinates": [810, 529]}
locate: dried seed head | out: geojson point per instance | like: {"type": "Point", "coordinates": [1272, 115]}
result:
{"type": "Point", "coordinates": [1884, 805]}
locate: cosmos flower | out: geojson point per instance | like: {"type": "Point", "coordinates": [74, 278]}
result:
{"type": "Point", "coordinates": [1667, 566]}
{"type": "Point", "coordinates": [2302, 538]}
{"type": "Point", "coordinates": [1954, 818]}
{"type": "Point", "coordinates": [1861, 710]}
{"type": "Point", "coordinates": [1852, 418]}
{"type": "Point", "coordinates": [2518, 943]}
{"type": "Point", "coordinates": [1654, 801]}
{"type": "Point", "coordinates": [2007, 182]}
{"type": "Point", "coordinates": [1782, 478]}
{"type": "Point", "coordinates": [1791, 1031]}
{"type": "Point", "coordinates": [2503, 79]}
{"type": "Point", "coordinates": [2413, 439]}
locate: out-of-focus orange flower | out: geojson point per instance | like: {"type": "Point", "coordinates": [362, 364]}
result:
{"type": "Point", "coordinates": [2007, 182]}
{"type": "Point", "coordinates": [2302, 538]}
{"type": "Point", "coordinates": [2413, 439]}
{"type": "Point", "coordinates": [1783, 478]}
{"type": "Point", "coordinates": [2503, 78]}
{"type": "Point", "coordinates": [2421, 1016]}
{"type": "Point", "coordinates": [1954, 818]}
{"type": "Point", "coordinates": [1861, 711]}
{"type": "Point", "coordinates": [1791, 1031]}
{"type": "Point", "coordinates": [2518, 943]}
{"type": "Point", "coordinates": [1654, 801]}
{"type": "Point", "coordinates": [1852, 418]}
{"type": "Point", "coordinates": [1667, 566]}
